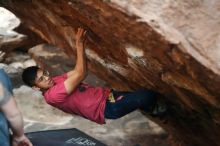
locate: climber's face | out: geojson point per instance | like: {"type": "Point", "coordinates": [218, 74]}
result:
{"type": "Point", "coordinates": [43, 79]}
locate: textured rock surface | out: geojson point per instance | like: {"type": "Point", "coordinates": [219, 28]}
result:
{"type": "Point", "coordinates": [13, 35]}
{"type": "Point", "coordinates": [169, 46]}
{"type": "Point", "coordinates": [14, 64]}
{"type": "Point", "coordinates": [9, 39]}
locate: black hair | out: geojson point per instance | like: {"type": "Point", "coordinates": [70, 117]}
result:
{"type": "Point", "coordinates": [29, 75]}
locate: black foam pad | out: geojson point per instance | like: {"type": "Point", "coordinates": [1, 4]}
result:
{"type": "Point", "coordinates": [62, 137]}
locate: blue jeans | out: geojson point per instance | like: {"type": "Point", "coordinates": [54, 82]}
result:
{"type": "Point", "coordinates": [141, 99]}
{"type": "Point", "coordinates": [4, 132]}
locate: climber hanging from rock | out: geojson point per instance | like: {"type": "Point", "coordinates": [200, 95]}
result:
{"type": "Point", "coordinates": [68, 93]}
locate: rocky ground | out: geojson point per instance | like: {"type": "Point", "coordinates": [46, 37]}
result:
{"type": "Point", "coordinates": [131, 130]}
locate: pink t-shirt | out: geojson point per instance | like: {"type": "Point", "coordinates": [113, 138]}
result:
{"type": "Point", "coordinates": [85, 100]}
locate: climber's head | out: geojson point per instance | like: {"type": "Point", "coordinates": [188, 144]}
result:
{"type": "Point", "coordinates": [37, 78]}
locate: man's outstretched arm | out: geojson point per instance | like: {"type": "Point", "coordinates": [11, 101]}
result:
{"type": "Point", "coordinates": [79, 73]}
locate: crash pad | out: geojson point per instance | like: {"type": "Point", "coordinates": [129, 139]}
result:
{"type": "Point", "coordinates": [62, 137]}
